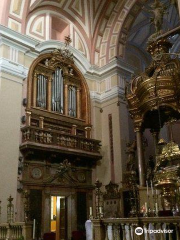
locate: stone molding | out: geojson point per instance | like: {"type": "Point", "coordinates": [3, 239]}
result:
{"type": "Point", "coordinates": [32, 48]}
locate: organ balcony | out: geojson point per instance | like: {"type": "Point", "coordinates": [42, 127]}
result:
{"type": "Point", "coordinates": [37, 140]}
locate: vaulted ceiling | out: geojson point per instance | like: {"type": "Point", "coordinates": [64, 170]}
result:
{"type": "Point", "coordinates": [99, 28]}
{"type": "Point", "coordinates": [142, 29]}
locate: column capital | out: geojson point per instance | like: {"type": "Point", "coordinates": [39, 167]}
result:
{"type": "Point", "coordinates": [138, 126]}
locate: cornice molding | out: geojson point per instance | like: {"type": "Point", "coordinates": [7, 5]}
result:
{"type": "Point", "coordinates": [32, 48]}
{"type": "Point", "coordinates": [13, 69]}
{"type": "Point", "coordinates": [116, 66]}
{"type": "Point", "coordinates": [17, 38]}
{"type": "Point", "coordinates": [107, 95]}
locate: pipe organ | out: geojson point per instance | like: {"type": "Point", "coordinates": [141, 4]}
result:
{"type": "Point", "coordinates": [56, 86]}
{"type": "Point", "coordinates": [57, 91]}
{"type": "Point", "coordinates": [41, 91]}
{"type": "Point", "coordinates": [56, 136]}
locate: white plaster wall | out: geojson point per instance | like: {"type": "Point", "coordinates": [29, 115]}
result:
{"type": "Point", "coordinates": [10, 108]}
{"type": "Point", "coordinates": [100, 123]}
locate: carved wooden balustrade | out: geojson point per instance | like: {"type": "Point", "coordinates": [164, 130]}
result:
{"type": "Point", "coordinates": [54, 138]}
{"type": "Point", "coordinates": [15, 231]}
{"type": "Point", "coordinates": [124, 228]}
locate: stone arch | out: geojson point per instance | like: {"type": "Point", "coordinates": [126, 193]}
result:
{"type": "Point", "coordinates": [79, 38]}
{"type": "Point", "coordinates": [115, 34]}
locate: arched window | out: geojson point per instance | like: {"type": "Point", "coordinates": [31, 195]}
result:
{"type": "Point", "coordinates": [55, 85]}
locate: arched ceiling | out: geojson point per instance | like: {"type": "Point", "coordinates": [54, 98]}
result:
{"type": "Point", "coordinates": [98, 28]}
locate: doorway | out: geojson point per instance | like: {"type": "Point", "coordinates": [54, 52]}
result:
{"type": "Point", "coordinates": [59, 216]}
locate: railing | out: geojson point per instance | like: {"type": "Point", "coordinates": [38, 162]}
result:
{"type": "Point", "coordinates": [16, 231]}
{"type": "Point", "coordinates": [52, 137]}
{"type": "Point", "coordinates": [152, 228]}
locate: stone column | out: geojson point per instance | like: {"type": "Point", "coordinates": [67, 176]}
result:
{"type": "Point", "coordinates": [140, 155]}
{"type": "Point", "coordinates": [66, 99]}
{"type": "Point", "coordinates": [78, 103]}
{"type": "Point", "coordinates": [155, 134]}
{"type": "Point", "coordinates": [49, 93]}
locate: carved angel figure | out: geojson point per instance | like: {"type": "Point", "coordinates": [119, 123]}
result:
{"type": "Point", "coordinates": [130, 151]}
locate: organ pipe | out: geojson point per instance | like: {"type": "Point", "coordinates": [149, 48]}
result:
{"type": "Point", "coordinates": [57, 91]}
{"type": "Point", "coordinates": [41, 91]}
{"type": "Point", "coordinates": [72, 101]}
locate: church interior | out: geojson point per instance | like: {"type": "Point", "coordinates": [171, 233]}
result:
{"type": "Point", "coordinates": [89, 119]}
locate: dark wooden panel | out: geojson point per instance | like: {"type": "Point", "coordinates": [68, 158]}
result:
{"type": "Point", "coordinates": [36, 209]}
{"type": "Point", "coordinates": [81, 211]}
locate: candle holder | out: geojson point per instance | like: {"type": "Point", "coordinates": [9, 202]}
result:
{"type": "Point", "coordinates": [145, 212]}
{"type": "Point", "coordinates": [149, 212]}
{"type": "Point", "coordinates": [155, 205]}
{"type": "Point", "coordinates": [10, 210]}
{"type": "Point", "coordinates": [99, 200]}
{"type": "Point", "coordinates": [90, 213]}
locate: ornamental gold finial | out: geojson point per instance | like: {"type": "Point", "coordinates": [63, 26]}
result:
{"type": "Point", "coordinates": [10, 199]}
{"type": "Point", "coordinates": [67, 40]}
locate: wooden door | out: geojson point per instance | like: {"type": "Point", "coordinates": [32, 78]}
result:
{"type": "Point", "coordinates": [61, 219]}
